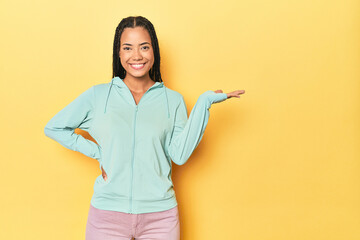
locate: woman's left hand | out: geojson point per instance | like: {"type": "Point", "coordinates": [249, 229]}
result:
{"type": "Point", "coordinates": [232, 94]}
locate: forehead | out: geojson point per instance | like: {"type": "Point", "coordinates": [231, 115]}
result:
{"type": "Point", "coordinates": [135, 36]}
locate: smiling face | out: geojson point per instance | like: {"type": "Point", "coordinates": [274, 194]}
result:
{"type": "Point", "coordinates": [136, 52]}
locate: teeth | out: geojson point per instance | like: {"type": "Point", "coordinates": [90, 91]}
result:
{"type": "Point", "coordinates": [137, 65]}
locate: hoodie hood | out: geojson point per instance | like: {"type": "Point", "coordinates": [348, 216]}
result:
{"type": "Point", "coordinates": [120, 83]}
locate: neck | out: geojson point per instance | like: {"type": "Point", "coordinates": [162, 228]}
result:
{"type": "Point", "coordinates": [138, 85]}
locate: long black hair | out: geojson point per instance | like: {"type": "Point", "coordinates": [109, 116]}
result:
{"type": "Point", "coordinates": [132, 22]}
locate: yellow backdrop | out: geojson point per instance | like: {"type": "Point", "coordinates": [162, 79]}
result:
{"type": "Point", "coordinates": [279, 163]}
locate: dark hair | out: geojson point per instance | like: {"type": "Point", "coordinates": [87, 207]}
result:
{"type": "Point", "coordinates": [132, 22]}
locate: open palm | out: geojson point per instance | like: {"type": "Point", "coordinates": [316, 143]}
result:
{"type": "Point", "coordinates": [232, 94]}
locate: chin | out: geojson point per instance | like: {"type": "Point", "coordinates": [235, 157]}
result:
{"type": "Point", "coordinates": [140, 75]}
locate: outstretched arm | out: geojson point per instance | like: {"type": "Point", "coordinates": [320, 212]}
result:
{"type": "Point", "coordinates": [188, 133]}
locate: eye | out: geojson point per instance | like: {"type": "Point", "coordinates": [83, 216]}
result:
{"type": "Point", "coordinates": [146, 47]}
{"type": "Point", "coordinates": [126, 48]}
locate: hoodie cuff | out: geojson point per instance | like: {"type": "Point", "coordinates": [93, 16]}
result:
{"type": "Point", "coordinates": [213, 97]}
{"type": "Point", "coordinates": [218, 97]}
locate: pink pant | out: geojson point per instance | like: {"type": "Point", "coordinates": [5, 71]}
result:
{"type": "Point", "coordinates": [111, 225]}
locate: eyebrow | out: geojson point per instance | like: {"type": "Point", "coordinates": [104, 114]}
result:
{"type": "Point", "coordinates": [131, 44]}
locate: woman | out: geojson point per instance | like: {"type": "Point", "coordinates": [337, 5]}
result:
{"type": "Point", "coordinates": [140, 127]}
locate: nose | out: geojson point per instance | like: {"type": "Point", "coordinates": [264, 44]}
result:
{"type": "Point", "coordinates": [137, 54]}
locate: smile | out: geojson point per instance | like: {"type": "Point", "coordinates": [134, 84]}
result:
{"type": "Point", "coordinates": [137, 66]}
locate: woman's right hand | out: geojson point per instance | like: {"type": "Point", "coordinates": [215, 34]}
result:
{"type": "Point", "coordinates": [103, 173]}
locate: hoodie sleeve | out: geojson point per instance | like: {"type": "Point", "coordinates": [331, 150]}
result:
{"type": "Point", "coordinates": [188, 133]}
{"type": "Point", "coordinates": [78, 114]}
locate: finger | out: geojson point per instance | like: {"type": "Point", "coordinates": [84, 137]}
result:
{"type": "Point", "coordinates": [239, 92]}
{"type": "Point", "coordinates": [235, 95]}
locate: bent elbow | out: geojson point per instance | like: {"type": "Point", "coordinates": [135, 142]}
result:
{"type": "Point", "coordinates": [47, 131]}
{"type": "Point", "coordinates": [179, 161]}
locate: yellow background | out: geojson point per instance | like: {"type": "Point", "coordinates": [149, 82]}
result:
{"type": "Point", "coordinates": [279, 163]}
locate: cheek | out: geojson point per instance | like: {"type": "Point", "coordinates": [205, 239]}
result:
{"type": "Point", "coordinates": [124, 55]}
{"type": "Point", "coordinates": [123, 58]}
{"type": "Point", "coordinates": [151, 58]}
{"type": "Point", "coordinates": [150, 55]}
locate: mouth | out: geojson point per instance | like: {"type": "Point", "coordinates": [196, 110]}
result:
{"type": "Point", "coordinates": [137, 66]}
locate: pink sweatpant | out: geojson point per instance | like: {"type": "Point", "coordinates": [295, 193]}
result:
{"type": "Point", "coordinates": [111, 225]}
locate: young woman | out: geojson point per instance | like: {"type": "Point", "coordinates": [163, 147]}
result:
{"type": "Point", "coordinates": [140, 127]}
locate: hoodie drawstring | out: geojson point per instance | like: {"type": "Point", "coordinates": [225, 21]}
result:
{"type": "Point", "coordinates": [167, 102]}
{"type": "Point", "coordinates": [107, 98]}
{"type": "Point", "coordinates": [166, 97]}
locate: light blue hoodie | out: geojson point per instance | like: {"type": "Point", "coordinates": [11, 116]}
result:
{"type": "Point", "coordinates": [135, 142]}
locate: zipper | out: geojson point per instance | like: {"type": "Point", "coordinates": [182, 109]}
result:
{"type": "Point", "coordinates": [133, 156]}
{"type": "Point", "coordinates": [133, 151]}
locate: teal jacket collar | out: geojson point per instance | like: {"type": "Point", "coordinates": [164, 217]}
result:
{"type": "Point", "coordinates": [120, 83]}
